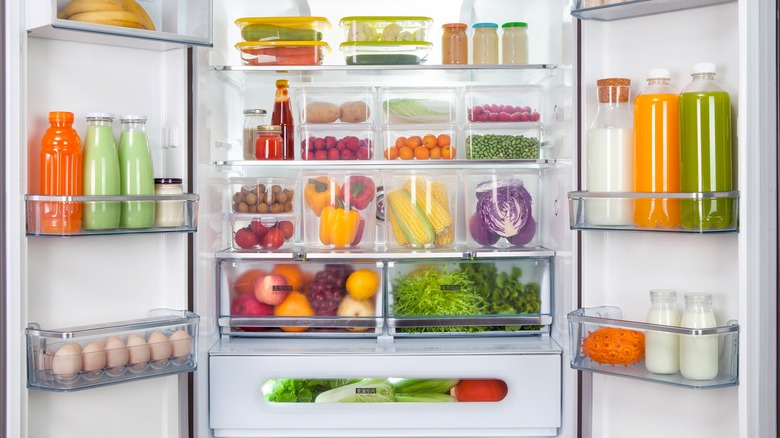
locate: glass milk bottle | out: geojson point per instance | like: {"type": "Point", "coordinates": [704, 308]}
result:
{"type": "Point", "coordinates": [698, 353]}
{"type": "Point", "coordinates": [136, 173]}
{"type": "Point", "coordinates": [101, 173]}
{"type": "Point", "coordinates": [610, 154]}
{"type": "Point", "coordinates": [662, 350]}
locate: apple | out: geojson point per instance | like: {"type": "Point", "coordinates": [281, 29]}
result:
{"type": "Point", "coordinates": [271, 289]}
{"type": "Point", "coordinates": [247, 305]}
{"type": "Point", "coordinates": [351, 307]}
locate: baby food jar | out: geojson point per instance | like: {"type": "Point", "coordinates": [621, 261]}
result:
{"type": "Point", "coordinates": [484, 43]}
{"type": "Point", "coordinates": [168, 213]}
{"type": "Point", "coordinates": [252, 119]}
{"type": "Point", "coordinates": [454, 44]}
{"type": "Point", "coordinates": [269, 144]}
{"type": "Point", "coordinates": [514, 43]}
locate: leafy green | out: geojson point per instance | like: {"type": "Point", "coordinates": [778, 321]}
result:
{"type": "Point", "coordinates": [302, 390]}
{"type": "Point", "coordinates": [362, 391]}
{"type": "Point", "coordinates": [419, 110]}
{"type": "Point", "coordinates": [437, 293]}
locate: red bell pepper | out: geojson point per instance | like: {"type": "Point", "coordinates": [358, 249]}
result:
{"type": "Point", "coordinates": [358, 191]}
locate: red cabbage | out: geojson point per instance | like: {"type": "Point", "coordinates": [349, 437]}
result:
{"type": "Point", "coordinates": [479, 233]}
{"type": "Point", "coordinates": [503, 206]}
{"type": "Point", "coordinates": [525, 235]}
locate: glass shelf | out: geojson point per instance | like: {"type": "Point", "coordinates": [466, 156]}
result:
{"type": "Point", "coordinates": [69, 359]}
{"type": "Point", "coordinates": [185, 222]}
{"type": "Point", "coordinates": [636, 8]}
{"type": "Point", "coordinates": [382, 253]}
{"type": "Point", "coordinates": [615, 211]}
{"type": "Point", "coordinates": [584, 321]}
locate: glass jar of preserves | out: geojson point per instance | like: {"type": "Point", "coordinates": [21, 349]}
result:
{"type": "Point", "coordinates": [454, 44]}
{"type": "Point", "coordinates": [269, 144]}
{"type": "Point", "coordinates": [484, 43]}
{"type": "Point", "coordinates": [514, 43]}
{"type": "Point", "coordinates": [252, 119]}
{"type": "Point", "coordinates": [168, 213]}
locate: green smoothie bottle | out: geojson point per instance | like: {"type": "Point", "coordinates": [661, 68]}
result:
{"type": "Point", "coordinates": [101, 173]}
{"type": "Point", "coordinates": [705, 151]}
{"type": "Point", "coordinates": [136, 173]}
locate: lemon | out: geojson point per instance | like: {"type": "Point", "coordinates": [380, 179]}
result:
{"type": "Point", "coordinates": [362, 284]}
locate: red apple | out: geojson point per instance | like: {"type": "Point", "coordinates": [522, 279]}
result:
{"type": "Point", "coordinates": [247, 305]}
{"type": "Point", "coordinates": [271, 289]}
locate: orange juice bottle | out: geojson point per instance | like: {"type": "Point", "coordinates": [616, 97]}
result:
{"type": "Point", "coordinates": [61, 175]}
{"type": "Point", "coordinates": [657, 154]}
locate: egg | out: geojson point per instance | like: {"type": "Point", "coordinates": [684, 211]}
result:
{"type": "Point", "coordinates": [67, 361]}
{"type": "Point", "coordinates": [138, 349]}
{"type": "Point", "coordinates": [181, 343]}
{"type": "Point", "coordinates": [93, 356]}
{"type": "Point", "coordinates": [116, 353]}
{"type": "Point", "coordinates": [159, 347]}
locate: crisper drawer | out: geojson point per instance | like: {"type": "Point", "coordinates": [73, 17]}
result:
{"type": "Point", "coordinates": [243, 371]}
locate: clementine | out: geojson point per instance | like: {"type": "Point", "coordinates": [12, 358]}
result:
{"type": "Point", "coordinates": [291, 273]}
{"type": "Point", "coordinates": [391, 153]}
{"type": "Point", "coordinates": [429, 141]}
{"type": "Point", "coordinates": [406, 153]}
{"type": "Point", "coordinates": [443, 140]}
{"type": "Point", "coordinates": [294, 305]}
{"type": "Point", "coordinates": [421, 153]}
{"type": "Point", "coordinates": [245, 283]}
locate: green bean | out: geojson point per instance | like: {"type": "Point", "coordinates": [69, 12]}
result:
{"type": "Point", "coordinates": [498, 147]}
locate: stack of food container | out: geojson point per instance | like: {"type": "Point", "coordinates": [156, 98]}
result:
{"type": "Point", "coordinates": [282, 40]}
{"type": "Point", "coordinates": [372, 40]}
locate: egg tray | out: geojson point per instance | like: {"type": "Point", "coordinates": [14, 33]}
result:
{"type": "Point", "coordinates": [154, 357]}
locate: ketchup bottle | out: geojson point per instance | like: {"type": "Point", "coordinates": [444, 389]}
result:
{"type": "Point", "coordinates": [282, 116]}
{"type": "Point", "coordinates": [61, 175]}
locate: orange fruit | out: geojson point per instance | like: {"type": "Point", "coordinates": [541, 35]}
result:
{"type": "Point", "coordinates": [362, 284]}
{"type": "Point", "coordinates": [291, 273]}
{"type": "Point", "coordinates": [429, 141]}
{"type": "Point", "coordinates": [435, 153]}
{"type": "Point", "coordinates": [391, 153]}
{"type": "Point", "coordinates": [448, 152]}
{"type": "Point", "coordinates": [406, 153]}
{"type": "Point", "coordinates": [400, 141]}
{"type": "Point", "coordinates": [421, 153]}
{"type": "Point", "coordinates": [245, 283]}
{"type": "Point", "coordinates": [295, 304]}
{"type": "Point", "coordinates": [443, 140]}
{"type": "Point", "coordinates": [414, 141]}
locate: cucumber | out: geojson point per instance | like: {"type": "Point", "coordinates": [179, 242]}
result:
{"type": "Point", "coordinates": [383, 59]}
{"type": "Point", "coordinates": [270, 32]}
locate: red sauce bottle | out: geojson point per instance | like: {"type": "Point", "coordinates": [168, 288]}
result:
{"type": "Point", "coordinates": [282, 116]}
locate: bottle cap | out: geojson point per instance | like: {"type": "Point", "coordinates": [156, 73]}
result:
{"type": "Point", "coordinates": [663, 293]}
{"type": "Point", "coordinates": [702, 298]}
{"type": "Point", "coordinates": [132, 118]}
{"type": "Point", "coordinates": [260, 112]}
{"type": "Point", "coordinates": [60, 116]}
{"type": "Point", "coordinates": [100, 116]}
{"type": "Point", "coordinates": [703, 67]}
{"type": "Point", "coordinates": [659, 73]}
{"type": "Point", "coordinates": [282, 82]}
{"type": "Point", "coordinates": [454, 26]}
{"type": "Point", "coordinates": [478, 25]}
{"type": "Point", "coordinates": [167, 180]}
{"type": "Point", "coordinates": [515, 24]}
{"type": "Point", "coordinates": [269, 128]}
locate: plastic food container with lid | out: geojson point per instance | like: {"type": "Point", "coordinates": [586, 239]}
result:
{"type": "Point", "coordinates": [386, 28]}
{"type": "Point", "coordinates": [385, 53]}
{"type": "Point", "coordinates": [283, 52]}
{"type": "Point", "coordinates": [282, 28]}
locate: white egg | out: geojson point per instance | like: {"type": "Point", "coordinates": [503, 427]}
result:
{"type": "Point", "coordinates": [159, 347]}
{"type": "Point", "coordinates": [116, 353]}
{"type": "Point", "coordinates": [67, 360]}
{"type": "Point", "coordinates": [181, 341]}
{"type": "Point", "coordinates": [138, 349]}
{"type": "Point", "coordinates": [93, 356]}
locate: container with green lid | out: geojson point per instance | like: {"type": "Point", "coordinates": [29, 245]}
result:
{"type": "Point", "coordinates": [386, 28]}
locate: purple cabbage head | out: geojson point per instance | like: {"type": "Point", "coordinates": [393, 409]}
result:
{"type": "Point", "coordinates": [503, 206]}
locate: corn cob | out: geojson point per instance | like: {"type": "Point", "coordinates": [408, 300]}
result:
{"type": "Point", "coordinates": [439, 194]}
{"type": "Point", "coordinates": [410, 218]}
{"type": "Point", "coordinates": [397, 233]}
{"type": "Point", "coordinates": [438, 214]}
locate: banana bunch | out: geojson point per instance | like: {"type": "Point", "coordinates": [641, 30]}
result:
{"type": "Point", "coordinates": [126, 13]}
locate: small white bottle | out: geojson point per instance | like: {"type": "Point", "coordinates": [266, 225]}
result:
{"type": "Point", "coordinates": [698, 353]}
{"type": "Point", "coordinates": [662, 350]}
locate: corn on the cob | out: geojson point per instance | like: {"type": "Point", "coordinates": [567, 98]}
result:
{"type": "Point", "coordinates": [438, 214]}
{"type": "Point", "coordinates": [410, 218]}
{"type": "Point", "coordinates": [398, 234]}
{"type": "Point", "coordinates": [439, 194]}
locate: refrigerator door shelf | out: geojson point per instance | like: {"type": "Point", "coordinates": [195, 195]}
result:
{"type": "Point", "coordinates": [616, 211]}
{"type": "Point", "coordinates": [70, 359]}
{"type": "Point", "coordinates": [530, 367]}
{"type": "Point", "coordinates": [584, 321]}
{"type": "Point", "coordinates": [607, 11]}
{"type": "Point", "coordinates": [37, 204]}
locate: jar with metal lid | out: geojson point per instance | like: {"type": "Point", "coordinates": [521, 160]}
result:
{"type": "Point", "coordinates": [269, 144]}
{"type": "Point", "coordinates": [514, 43]}
{"type": "Point", "coordinates": [252, 119]}
{"type": "Point", "coordinates": [168, 213]}
{"type": "Point", "coordinates": [454, 44]}
{"type": "Point", "coordinates": [484, 43]}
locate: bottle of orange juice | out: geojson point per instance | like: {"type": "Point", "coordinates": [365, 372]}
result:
{"type": "Point", "coordinates": [61, 175]}
{"type": "Point", "coordinates": [657, 159]}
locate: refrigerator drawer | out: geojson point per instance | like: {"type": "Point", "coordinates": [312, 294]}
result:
{"type": "Point", "coordinates": [240, 371]}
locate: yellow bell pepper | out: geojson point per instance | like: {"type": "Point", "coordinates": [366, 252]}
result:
{"type": "Point", "coordinates": [338, 227]}
{"type": "Point", "coordinates": [319, 192]}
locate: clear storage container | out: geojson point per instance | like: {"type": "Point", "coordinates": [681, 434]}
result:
{"type": "Point", "coordinates": [263, 195]}
{"type": "Point", "coordinates": [521, 103]}
{"type": "Point", "coordinates": [420, 141]}
{"type": "Point", "coordinates": [282, 28]}
{"type": "Point", "coordinates": [267, 232]}
{"type": "Point", "coordinates": [337, 141]}
{"type": "Point", "coordinates": [322, 105]}
{"type": "Point", "coordinates": [385, 52]}
{"type": "Point", "coordinates": [502, 141]}
{"type": "Point", "coordinates": [418, 104]}
{"type": "Point", "coordinates": [386, 28]}
{"type": "Point", "coordinates": [282, 52]}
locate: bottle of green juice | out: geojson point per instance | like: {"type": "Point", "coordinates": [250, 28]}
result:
{"type": "Point", "coordinates": [136, 173]}
{"type": "Point", "coordinates": [101, 173]}
{"type": "Point", "coordinates": [705, 151]}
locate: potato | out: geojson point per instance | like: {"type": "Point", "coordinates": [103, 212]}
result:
{"type": "Point", "coordinates": [322, 112]}
{"type": "Point", "coordinates": [354, 112]}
